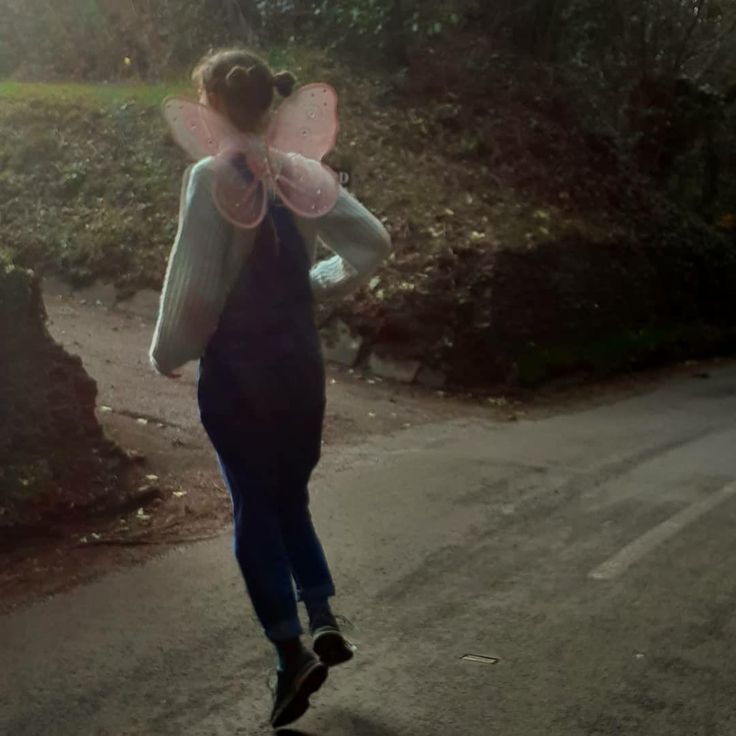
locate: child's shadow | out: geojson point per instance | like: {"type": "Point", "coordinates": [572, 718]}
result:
{"type": "Point", "coordinates": [361, 726]}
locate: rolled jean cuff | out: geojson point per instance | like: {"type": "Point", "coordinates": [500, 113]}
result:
{"type": "Point", "coordinates": [320, 592]}
{"type": "Point", "coordinates": [284, 630]}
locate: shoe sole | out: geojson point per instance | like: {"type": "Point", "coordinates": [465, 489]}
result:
{"type": "Point", "coordinates": [308, 683]}
{"type": "Point", "coordinates": [331, 647]}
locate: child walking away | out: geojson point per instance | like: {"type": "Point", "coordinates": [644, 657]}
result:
{"type": "Point", "coordinates": [238, 295]}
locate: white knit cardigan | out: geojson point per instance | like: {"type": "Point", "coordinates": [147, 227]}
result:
{"type": "Point", "coordinates": [208, 254]}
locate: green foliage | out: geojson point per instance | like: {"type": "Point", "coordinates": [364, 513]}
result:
{"type": "Point", "coordinates": [382, 30]}
{"type": "Point", "coordinates": [87, 188]}
{"type": "Point", "coordinates": [628, 38]}
{"type": "Point", "coordinates": [106, 39]}
{"type": "Point", "coordinates": [612, 43]}
{"type": "Point", "coordinates": [622, 351]}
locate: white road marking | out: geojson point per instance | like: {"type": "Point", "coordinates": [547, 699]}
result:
{"type": "Point", "coordinates": [480, 659]}
{"type": "Point", "coordinates": [642, 546]}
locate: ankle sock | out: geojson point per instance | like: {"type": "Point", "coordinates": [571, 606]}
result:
{"type": "Point", "coordinates": [320, 613]}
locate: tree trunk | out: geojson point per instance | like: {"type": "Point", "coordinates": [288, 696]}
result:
{"type": "Point", "coordinates": [397, 44]}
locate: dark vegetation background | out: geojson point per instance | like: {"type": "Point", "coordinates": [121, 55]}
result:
{"type": "Point", "coordinates": [559, 176]}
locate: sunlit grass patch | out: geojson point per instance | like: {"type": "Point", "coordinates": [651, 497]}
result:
{"type": "Point", "coordinates": [103, 94]}
{"type": "Point", "coordinates": [307, 64]}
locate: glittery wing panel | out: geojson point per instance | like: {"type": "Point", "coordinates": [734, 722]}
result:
{"type": "Point", "coordinates": [239, 188]}
{"type": "Point", "coordinates": [199, 130]}
{"type": "Point", "coordinates": [306, 122]}
{"type": "Point", "coordinates": [240, 163]}
{"type": "Point", "coordinates": [305, 185]}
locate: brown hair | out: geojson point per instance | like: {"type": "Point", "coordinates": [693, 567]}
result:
{"type": "Point", "coordinates": [245, 84]}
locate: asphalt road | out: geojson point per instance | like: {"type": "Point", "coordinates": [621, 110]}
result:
{"type": "Point", "coordinates": [590, 554]}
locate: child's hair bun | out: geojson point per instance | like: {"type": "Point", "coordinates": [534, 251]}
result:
{"type": "Point", "coordinates": [238, 78]}
{"type": "Point", "coordinates": [284, 82]}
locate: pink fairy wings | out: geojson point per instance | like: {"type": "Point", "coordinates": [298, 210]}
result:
{"type": "Point", "coordinates": [198, 130]}
{"type": "Point", "coordinates": [306, 122]}
{"type": "Point", "coordinates": [287, 162]}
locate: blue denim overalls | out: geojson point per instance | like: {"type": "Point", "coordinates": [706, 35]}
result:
{"type": "Point", "coordinates": [262, 396]}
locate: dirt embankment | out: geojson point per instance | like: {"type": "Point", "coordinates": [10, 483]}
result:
{"type": "Point", "coordinates": [525, 247]}
{"type": "Point", "coordinates": [55, 462]}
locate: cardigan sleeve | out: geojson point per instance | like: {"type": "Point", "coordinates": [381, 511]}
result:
{"type": "Point", "coordinates": [196, 283]}
{"type": "Point", "coordinates": [357, 238]}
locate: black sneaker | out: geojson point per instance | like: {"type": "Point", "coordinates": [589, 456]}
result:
{"type": "Point", "coordinates": [293, 688]}
{"type": "Point", "coordinates": [329, 644]}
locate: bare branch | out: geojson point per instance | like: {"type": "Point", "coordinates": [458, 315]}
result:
{"type": "Point", "coordinates": [680, 55]}
{"type": "Point", "coordinates": [716, 45]}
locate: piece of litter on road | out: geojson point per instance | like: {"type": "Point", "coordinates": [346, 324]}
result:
{"type": "Point", "coordinates": [141, 420]}
{"type": "Point", "coordinates": [152, 478]}
{"type": "Point", "coordinates": [480, 659]}
{"type": "Point", "coordinates": [180, 494]}
{"type": "Point", "coordinates": [142, 514]}
{"type": "Point", "coordinates": [136, 456]}
{"type": "Point", "coordinates": [640, 655]}
{"type": "Point", "coordinates": [106, 409]}
{"type": "Point", "coordinates": [372, 414]}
